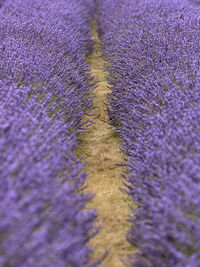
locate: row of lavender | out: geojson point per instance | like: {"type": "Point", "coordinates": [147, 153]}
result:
{"type": "Point", "coordinates": [44, 91]}
{"type": "Point", "coordinates": [153, 54]}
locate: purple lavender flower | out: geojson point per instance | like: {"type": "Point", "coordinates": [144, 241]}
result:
{"type": "Point", "coordinates": [44, 92]}
{"type": "Point", "coordinates": [152, 49]}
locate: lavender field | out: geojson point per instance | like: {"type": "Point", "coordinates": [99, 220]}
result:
{"type": "Point", "coordinates": [50, 108]}
{"type": "Point", "coordinates": [45, 90]}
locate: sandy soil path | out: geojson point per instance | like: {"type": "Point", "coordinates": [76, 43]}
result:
{"type": "Point", "coordinates": [100, 147]}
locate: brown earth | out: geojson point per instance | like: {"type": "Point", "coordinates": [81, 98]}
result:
{"type": "Point", "coordinates": [100, 147]}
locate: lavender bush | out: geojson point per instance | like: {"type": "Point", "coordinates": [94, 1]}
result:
{"type": "Point", "coordinates": [44, 91]}
{"type": "Point", "coordinates": [42, 217]}
{"type": "Point", "coordinates": [152, 49]}
{"type": "Point", "coordinates": [46, 43]}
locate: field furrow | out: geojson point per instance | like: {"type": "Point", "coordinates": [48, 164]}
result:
{"type": "Point", "coordinates": [100, 148]}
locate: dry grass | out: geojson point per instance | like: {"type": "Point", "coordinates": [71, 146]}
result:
{"type": "Point", "coordinates": [99, 147]}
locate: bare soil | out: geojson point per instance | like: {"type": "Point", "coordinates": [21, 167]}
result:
{"type": "Point", "coordinates": [100, 147]}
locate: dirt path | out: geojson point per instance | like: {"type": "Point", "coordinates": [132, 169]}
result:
{"type": "Point", "coordinates": [99, 147]}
